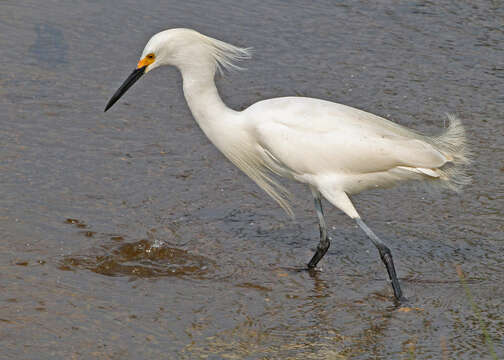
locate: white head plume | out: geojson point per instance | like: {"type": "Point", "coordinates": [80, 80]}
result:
{"type": "Point", "coordinates": [185, 48]}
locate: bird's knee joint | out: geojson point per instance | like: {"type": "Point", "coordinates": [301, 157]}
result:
{"type": "Point", "coordinates": [384, 251]}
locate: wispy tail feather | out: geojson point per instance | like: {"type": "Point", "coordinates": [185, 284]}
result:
{"type": "Point", "coordinates": [452, 142]}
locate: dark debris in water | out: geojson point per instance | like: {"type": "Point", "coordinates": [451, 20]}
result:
{"type": "Point", "coordinates": [140, 259]}
{"type": "Point", "coordinates": [143, 258]}
{"type": "Point", "coordinates": [76, 222]}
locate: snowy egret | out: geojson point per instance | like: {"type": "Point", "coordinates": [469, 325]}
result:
{"type": "Point", "coordinates": [335, 149]}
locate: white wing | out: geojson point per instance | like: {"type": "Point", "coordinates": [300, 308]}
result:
{"type": "Point", "coordinates": [311, 136]}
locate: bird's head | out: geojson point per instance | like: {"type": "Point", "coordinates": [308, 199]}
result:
{"type": "Point", "coordinates": [186, 49]}
{"type": "Point", "coordinates": [162, 49]}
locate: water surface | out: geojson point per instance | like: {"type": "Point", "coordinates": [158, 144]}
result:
{"type": "Point", "coordinates": [127, 235]}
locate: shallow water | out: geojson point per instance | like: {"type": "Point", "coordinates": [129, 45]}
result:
{"type": "Point", "coordinates": [127, 235]}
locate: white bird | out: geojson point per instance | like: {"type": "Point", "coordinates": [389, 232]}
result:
{"type": "Point", "coordinates": [335, 149]}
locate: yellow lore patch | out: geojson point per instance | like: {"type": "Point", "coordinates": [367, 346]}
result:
{"type": "Point", "coordinates": [146, 61]}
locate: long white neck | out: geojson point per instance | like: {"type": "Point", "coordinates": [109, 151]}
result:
{"type": "Point", "coordinates": [204, 101]}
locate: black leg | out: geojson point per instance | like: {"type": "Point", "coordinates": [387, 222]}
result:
{"type": "Point", "coordinates": [324, 243]}
{"type": "Point", "coordinates": [386, 257]}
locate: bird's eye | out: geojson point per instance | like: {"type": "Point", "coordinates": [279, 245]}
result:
{"type": "Point", "coordinates": [150, 56]}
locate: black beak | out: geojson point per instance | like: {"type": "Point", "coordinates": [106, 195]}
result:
{"type": "Point", "coordinates": [134, 76]}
